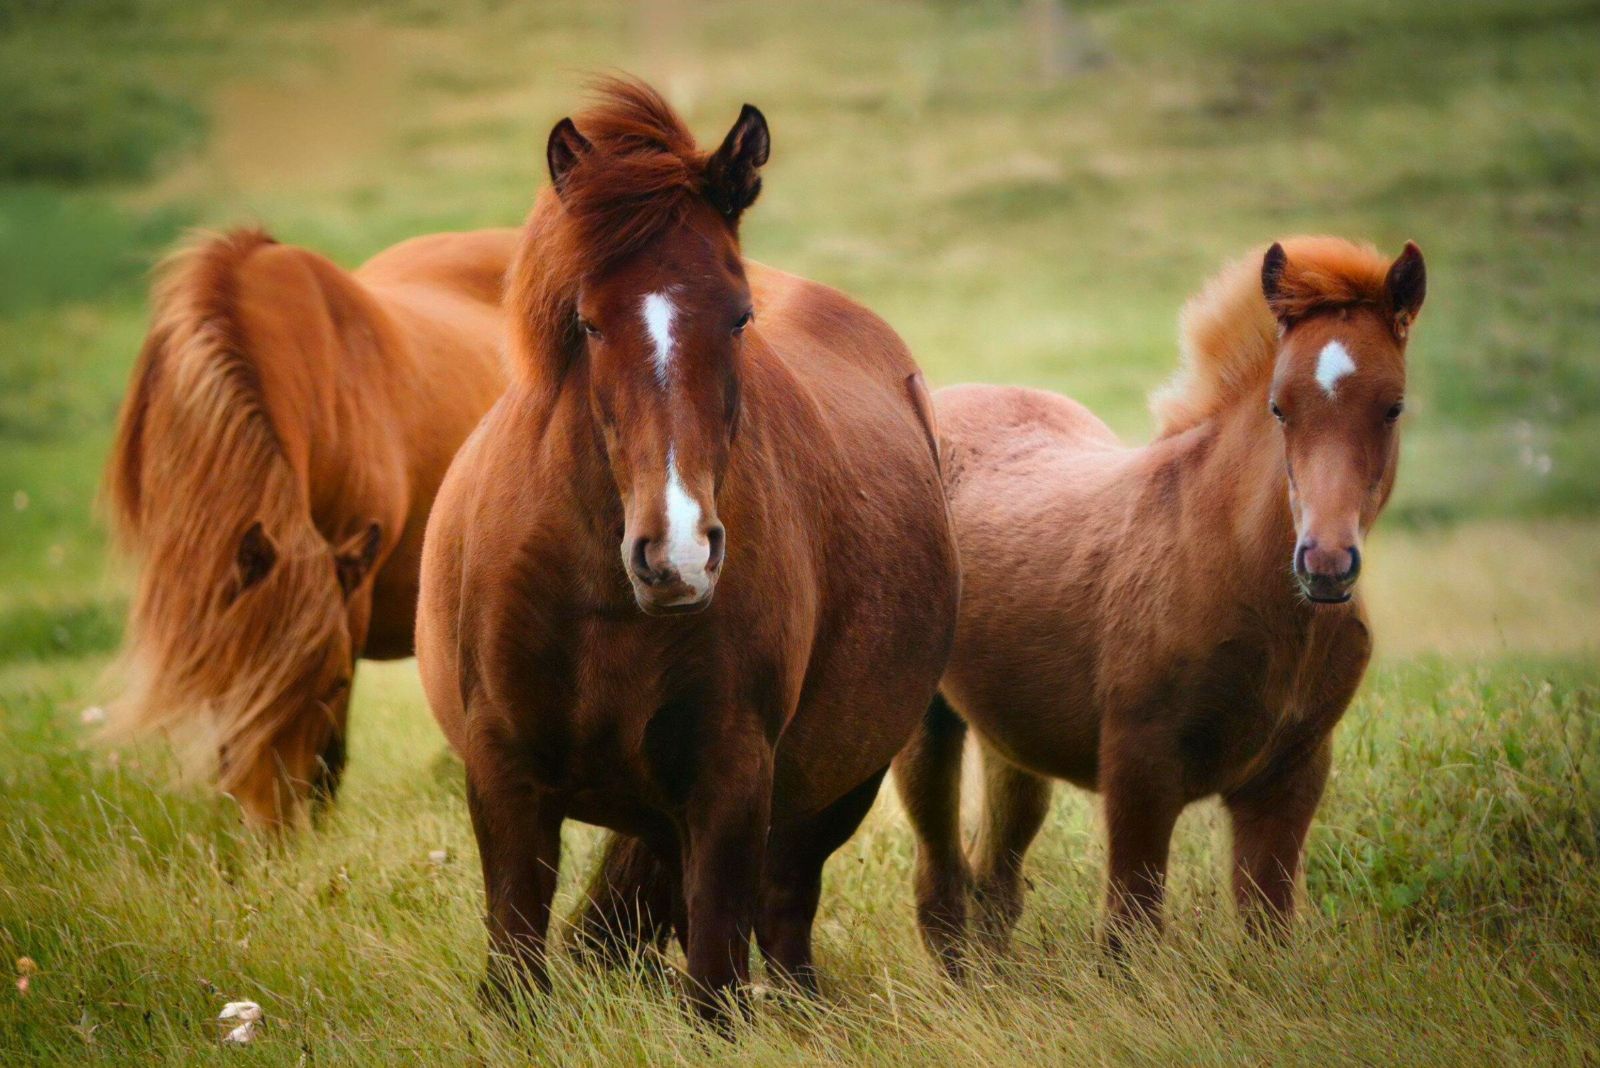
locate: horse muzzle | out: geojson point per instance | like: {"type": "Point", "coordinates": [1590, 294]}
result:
{"type": "Point", "coordinates": [1326, 576]}
{"type": "Point", "coordinates": [669, 584]}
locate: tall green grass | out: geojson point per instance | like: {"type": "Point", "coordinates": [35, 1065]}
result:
{"type": "Point", "coordinates": [1452, 912]}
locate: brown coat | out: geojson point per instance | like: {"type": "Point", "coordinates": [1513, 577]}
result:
{"type": "Point", "coordinates": [1171, 622]}
{"type": "Point", "coordinates": [286, 429]}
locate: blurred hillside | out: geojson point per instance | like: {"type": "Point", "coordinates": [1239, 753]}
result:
{"type": "Point", "coordinates": [1028, 191]}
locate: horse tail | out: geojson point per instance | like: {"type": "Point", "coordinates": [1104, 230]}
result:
{"type": "Point", "coordinates": [632, 902]}
{"type": "Point", "coordinates": [200, 492]}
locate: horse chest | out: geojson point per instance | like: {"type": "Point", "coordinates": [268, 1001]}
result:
{"type": "Point", "coordinates": [627, 707]}
{"type": "Point", "coordinates": [1247, 702]}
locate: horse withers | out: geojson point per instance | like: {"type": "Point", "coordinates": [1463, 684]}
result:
{"type": "Point", "coordinates": [286, 428]}
{"type": "Point", "coordinates": [1172, 622]}
{"type": "Point", "coordinates": [693, 578]}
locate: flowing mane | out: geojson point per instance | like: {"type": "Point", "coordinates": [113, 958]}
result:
{"type": "Point", "coordinates": [639, 181]}
{"type": "Point", "coordinates": [196, 460]}
{"type": "Point", "coordinates": [194, 301]}
{"type": "Point", "coordinates": [1229, 337]}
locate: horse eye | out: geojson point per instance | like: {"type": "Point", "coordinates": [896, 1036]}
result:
{"type": "Point", "coordinates": [588, 328]}
{"type": "Point", "coordinates": [1277, 412]}
{"type": "Point", "coordinates": [744, 321]}
{"type": "Point", "coordinates": [1393, 414]}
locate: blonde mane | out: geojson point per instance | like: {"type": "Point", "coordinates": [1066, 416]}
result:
{"type": "Point", "coordinates": [1228, 336]}
{"type": "Point", "coordinates": [196, 461]}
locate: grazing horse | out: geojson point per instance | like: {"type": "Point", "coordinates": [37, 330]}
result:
{"type": "Point", "coordinates": [1172, 622]}
{"type": "Point", "coordinates": [693, 578]}
{"type": "Point", "coordinates": [286, 428]}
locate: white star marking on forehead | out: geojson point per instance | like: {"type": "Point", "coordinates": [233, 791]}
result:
{"type": "Point", "coordinates": [658, 316]}
{"type": "Point", "coordinates": [1333, 364]}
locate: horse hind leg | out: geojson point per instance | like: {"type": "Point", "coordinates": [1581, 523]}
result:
{"type": "Point", "coordinates": [927, 776]}
{"type": "Point", "coordinates": [633, 902]}
{"type": "Point", "coordinates": [792, 884]}
{"type": "Point", "coordinates": [1016, 803]}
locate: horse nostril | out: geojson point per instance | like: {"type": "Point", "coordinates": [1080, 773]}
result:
{"type": "Point", "coordinates": [1355, 565]}
{"type": "Point", "coordinates": [640, 560]}
{"type": "Point", "coordinates": [717, 539]}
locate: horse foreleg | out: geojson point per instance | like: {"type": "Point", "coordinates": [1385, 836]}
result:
{"type": "Point", "coordinates": [1015, 805]}
{"type": "Point", "coordinates": [519, 845]}
{"type": "Point", "coordinates": [927, 776]}
{"type": "Point", "coordinates": [1142, 804]}
{"type": "Point", "coordinates": [1270, 820]}
{"type": "Point", "coordinates": [792, 884]}
{"type": "Point", "coordinates": [726, 817]}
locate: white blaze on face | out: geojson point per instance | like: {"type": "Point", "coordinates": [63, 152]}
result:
{"type": "Point", "coordinates": [658, 316]}
{"type": "Point", "coordinates": [687, 550]}
{"type": "Point", "coordinates": [1333, 364]}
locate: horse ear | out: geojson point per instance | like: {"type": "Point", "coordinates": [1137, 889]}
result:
{"type": "Point", "coordinates": [1273, 265]}
{"type": "Point", "coordinates": [1407, 284]}
{"type": "Point", "coordinates": [733, 173]}
{"type": "Point", "coordinates": [255, 556]}
{"type": "Point", "coordinates": [354, 559]}
{"type": "Point", "coordinates": [565, 150]}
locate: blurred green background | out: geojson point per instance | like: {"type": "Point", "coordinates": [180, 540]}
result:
{"type": "Point", "coordinates": [1027, 190]}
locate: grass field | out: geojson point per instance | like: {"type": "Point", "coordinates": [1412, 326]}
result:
{"type": "Point", "coordinates": [1024, 207]}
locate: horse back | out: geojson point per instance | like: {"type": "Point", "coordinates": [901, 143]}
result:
{"type": "Point", "coordinates": [469, 263]}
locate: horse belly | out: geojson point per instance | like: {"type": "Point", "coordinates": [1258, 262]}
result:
{"type": "Point", "coordinates": [1039, 715]}
{"type": "Point", "coordinates": [882, 634]}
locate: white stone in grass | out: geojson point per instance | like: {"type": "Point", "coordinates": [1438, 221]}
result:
{"type": "Point", "coordinates": [245, 1032]}
{"type": "Point", "coordinates": [439, 857]}
{"type": "Point", "coordinates": [248, 1013]}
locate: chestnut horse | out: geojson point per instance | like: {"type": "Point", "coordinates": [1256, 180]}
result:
{"type": "Point", "coordinates": [287, 426]}
{"type": "Point", "coordinates": [693, 579]}
{"type": "Point", "coordinates": [1172, 622]}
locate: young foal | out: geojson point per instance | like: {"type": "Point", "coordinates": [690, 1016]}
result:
{"type": "Point", "coordinates": [1172, 622]}
{"type": "Point", "coordinates": [693, 578]}
{"type": "Point", "coordinates": [286, 428]}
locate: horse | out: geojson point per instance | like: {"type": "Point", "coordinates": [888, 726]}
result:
{"type": "Point", "coordinates": [286, 427]}
{"type": "Point", "coordinates": [693, 578]}
{"type": "Point", "coordinates": [1171, 622]}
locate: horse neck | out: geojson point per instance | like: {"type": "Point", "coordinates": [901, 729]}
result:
{"type": "Point", "coordinates": [571, 454]}
{"type": "Point", "coordinates": [1240, 500]}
